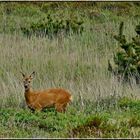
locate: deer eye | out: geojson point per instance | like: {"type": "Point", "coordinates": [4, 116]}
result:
{"type": "Point", "coordinates": [29, 81]}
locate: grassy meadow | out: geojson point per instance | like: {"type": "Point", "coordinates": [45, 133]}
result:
{"type": "Point", "coordinates": [102, 107]}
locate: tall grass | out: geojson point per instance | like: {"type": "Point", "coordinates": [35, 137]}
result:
{"type": "Point", "coordinates": [76, 62]}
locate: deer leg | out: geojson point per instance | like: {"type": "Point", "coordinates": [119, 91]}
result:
{"type": "Point", "coordinates": [59, 107]}
{"type": "Point", "coordinates": [38, 108]}
{"type": "Point", "coordinates": [64, 107]}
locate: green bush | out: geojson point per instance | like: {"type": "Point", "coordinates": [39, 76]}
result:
{"type": "Point", "coordinates": [127, 58]}
{"type": "Point", "coordinates": [52, 25]}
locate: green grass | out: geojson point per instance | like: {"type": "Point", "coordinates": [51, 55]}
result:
{"type": "Point", "coordinates": [102, 107]}
{"type": "Point", "coordinates": [110, 122]}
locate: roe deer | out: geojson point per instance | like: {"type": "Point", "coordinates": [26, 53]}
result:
{"type": "Point", "coordinates": [38, 100]}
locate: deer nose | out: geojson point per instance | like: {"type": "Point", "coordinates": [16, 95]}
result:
{"type": "Point", "coordinates": [25, 86]}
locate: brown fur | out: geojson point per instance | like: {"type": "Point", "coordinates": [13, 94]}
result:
{"type": "Point", "coordinates": [38, 100]}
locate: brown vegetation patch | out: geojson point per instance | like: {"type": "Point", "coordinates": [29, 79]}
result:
{"type": "Point", "coordinates": [91, 128]}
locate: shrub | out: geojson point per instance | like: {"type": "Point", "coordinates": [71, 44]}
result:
{"type": "Point", "coordinates": [127, 58]}
{"type": "Point", "coordinates": [52, 25]}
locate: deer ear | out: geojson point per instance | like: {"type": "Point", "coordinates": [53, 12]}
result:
{"type": "Point", "coordinates": [22, 74]}
{"type": "Point", "coordinates": [32, 75]}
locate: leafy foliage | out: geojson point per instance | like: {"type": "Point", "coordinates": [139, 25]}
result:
{"type": "Point", "coordinates": [127, 58]}
{"type": "Point", "coordinates": [52, 25]}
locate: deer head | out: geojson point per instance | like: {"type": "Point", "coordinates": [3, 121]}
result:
{"type": "Point", "coordinates": [27, 80]}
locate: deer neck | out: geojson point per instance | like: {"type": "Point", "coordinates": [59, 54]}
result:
{"type": "Point", "coordinates": [28, 94]}
{"type": "Point", "coordinates": [28, 91]}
